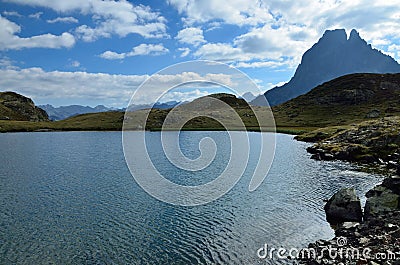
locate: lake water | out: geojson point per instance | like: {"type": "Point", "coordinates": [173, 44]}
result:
{"type": "Point", "coordinates": [69, 198]}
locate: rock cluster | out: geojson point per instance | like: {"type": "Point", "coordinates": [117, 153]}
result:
{"type": "Point", "coordinates": [375, 240]}
{"type": "Point", "coordinates": [376, 141]}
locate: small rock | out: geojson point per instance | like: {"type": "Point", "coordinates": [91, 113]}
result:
{"type": "Point", "coordinates": [348, 225]}
{"type": "Point", "coordinates": [373, 114]}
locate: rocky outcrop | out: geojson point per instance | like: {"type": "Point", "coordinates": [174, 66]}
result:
{"type": "Point", "coordinates": [376, 141]}
{"type": "Point", "coordinates": [14, 106]}
{"type": "Point", "coordinates": [383, 198]}
{"type": "Point", "coordinates": [375, 240]}
{"type": "Point", "coordinates": [343, 206]}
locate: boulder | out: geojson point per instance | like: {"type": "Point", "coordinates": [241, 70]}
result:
{"type": "Point", "coordinates": [392, 183]}
{"type": "Point", "coordinates": [343, 206]}
{"type": "Point", "coordinates": [383, 198]}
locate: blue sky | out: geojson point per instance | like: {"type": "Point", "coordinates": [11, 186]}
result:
{"type": "Point", "coordinates": [97, 52]}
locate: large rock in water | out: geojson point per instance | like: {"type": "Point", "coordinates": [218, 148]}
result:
{"type": "Point", "coordinates": [343, 206]}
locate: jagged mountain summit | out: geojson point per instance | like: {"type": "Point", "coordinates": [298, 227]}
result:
{"type": "Point", "coordinates": [334, 55]}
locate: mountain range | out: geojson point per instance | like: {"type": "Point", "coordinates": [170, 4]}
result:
{"type": "Point", "coordinates": [334, 55]}
{"type": "Point", "coordinates": [64, 112]}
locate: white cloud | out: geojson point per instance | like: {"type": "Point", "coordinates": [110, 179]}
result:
{"type": "Point", "coordinates": [193, 36]}
{"type": "Point", "coordinates": [7, 63]}
{"type": "Point", "coordinates": [286, 29]}
{"type": "Point", "coordinates": [260, 64]}
{"type": "Point", "coordinates": [142, 49]}
{"type": "Point", "coordinates": [12, 13]}
{"type": "Point", "coordinates": [119, 18]}
{"type": "Point", "coordinates": [395, 50]}
{"type": "Point", "coordinates": [75, 64]}
{"type": "Point", "coordinates": [10, 41]}
{"type": "Point", "coordinates": [99, 88]}
{"type": "Point", "coordinates": [63, 20]}
{"type": "Point", "coordinates": [46, 86]}
{"type": "Point", "coordinates": [221, 52]}
{"type": "Point", "coordinates": [269, 86]}
{"type": "Point", "coordinates": [184, 96]}
{"type": "Point", "coordinates": [185, 51]}
{"type": "Point", "coordinates": [36, 15]}
{"type": "Point", "coordinates": [236, 12]}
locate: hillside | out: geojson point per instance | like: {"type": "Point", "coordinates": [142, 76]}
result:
{"type": "Point", "coordinates": [205, 112]}
{"type": "Point", "coordinates": [16, 107]}
{"type": "Point", "coordinates": [344, 100]}
{"type": "Point", "coordinates": [334, 55]}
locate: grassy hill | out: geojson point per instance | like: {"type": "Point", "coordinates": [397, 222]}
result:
{"type": "Point", "coordinates": [344, 100]}
{"type": "Point", "coordinates": [16, 107]}
{"type": "Point", "coordinates": [341, 102]}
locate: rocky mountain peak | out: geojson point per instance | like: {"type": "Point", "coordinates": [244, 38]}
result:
{"type": "Point", "coordinates": [334, 55]}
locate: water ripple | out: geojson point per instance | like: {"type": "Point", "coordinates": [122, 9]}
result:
{"type": "Point", "coordinates": [68, 198]}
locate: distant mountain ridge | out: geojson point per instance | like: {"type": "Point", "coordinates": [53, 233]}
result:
{"type": "Point", "coordinates": [64, 112]}
{"type": "Point", "coordinates": [334, 55]}
{"type": "Point", "coordinates": [16, 107]}
{"type": "Point", "coordinates": [248, 96]}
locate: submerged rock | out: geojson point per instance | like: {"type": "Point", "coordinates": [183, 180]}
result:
{"type": "Point", "coordinates": [343, 206]}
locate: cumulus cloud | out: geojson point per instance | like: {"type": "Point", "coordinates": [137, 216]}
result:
{"type": "Point", "coordinates": [142, 49]}
{"type": "Point", "coordinates": [7, 63]}
{"type": "Point", "coordinates": [9, 40]}
{"type": "Point", "coordinates": [63, 20]}
{"type": "Point", "coordinates": [193, 36]}
{"type": "Point", "coordinates": [286, 29]}
{"type": "Point", "coordinates": [395, 50]}
{"type": "Point", "coordinates": [221, 52]}
{"type": "Point", "coordinates": [185, 96]}
{"type": "Point", "coordinates": [100, 88]}
{"type": "Point", "coordinates": [47, 86]}
{"type": "Point", "coordinates": [119, 18]}
{"type": "Point", "coordinates": [235, 12]}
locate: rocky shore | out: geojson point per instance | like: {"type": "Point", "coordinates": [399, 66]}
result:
{"type": "Point", "coordinates": [371, 142]}
{"type": "Point", "coordinates": [362, 236]}
{"type": "Point", "coordinates": [368, 237]}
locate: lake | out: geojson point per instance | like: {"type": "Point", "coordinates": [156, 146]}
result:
{"type": "Point", "coordinates": [69, 198]}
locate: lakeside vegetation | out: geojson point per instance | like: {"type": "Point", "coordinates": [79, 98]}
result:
{"type": "Point", "coordinates": [333, 107]}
